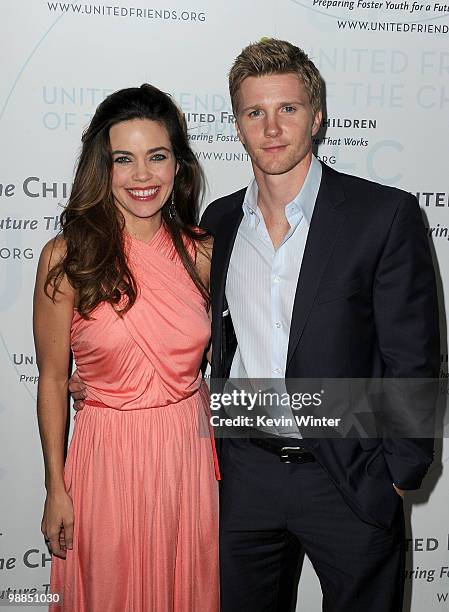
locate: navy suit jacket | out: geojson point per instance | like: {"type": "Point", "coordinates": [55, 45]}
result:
{"type": "Point", "coordinates": [365, 307]}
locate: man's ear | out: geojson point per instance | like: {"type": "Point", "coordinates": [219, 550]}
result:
{"type": "Point", "coordinates": [317, 122]}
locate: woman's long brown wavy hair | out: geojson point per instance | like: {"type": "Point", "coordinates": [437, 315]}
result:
{"type": "Point", "coordinates": [94, 262]}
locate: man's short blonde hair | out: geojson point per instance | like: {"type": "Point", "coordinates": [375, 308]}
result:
{"type": "Point", "coordinates": [273, 56]}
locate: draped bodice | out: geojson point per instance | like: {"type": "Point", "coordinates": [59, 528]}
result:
{"type": "Point", "coordinates": [151, 356]}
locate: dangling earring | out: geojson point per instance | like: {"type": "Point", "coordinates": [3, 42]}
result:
{"type": "Point", "coordinates": [171, 210]}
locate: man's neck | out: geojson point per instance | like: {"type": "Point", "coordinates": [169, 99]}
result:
{"type": "Point", "coordinates": [277, 190]}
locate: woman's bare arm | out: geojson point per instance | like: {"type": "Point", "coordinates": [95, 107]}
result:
{"type": "Point", "coordinates": [51, 326]}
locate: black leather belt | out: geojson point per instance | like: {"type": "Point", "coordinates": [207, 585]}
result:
{"type": "Point", "coordinates": [287, 451]}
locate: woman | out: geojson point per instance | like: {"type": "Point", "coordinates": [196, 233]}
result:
{"type": "Point", "coordinates": [132, 519]}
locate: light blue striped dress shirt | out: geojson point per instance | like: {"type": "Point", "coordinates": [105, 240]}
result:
{"type": "Point", "coordinates": [261, 282]}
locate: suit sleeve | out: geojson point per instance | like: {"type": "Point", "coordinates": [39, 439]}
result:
{"type": "Point", "coordinates": [208, 219]}
{"type": "Point", "coordinates": [406, 316]}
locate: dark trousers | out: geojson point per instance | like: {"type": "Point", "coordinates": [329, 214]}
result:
{"type": "Point", "coordinates": [270, 511]}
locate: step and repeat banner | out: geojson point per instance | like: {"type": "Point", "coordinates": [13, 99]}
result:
{"type": "Point", "coordinates": [386, 69]}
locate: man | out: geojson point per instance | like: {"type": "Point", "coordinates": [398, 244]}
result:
{"type": "Point", "coordinates": [314, 274]}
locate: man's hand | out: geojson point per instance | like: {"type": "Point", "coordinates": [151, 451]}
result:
{"type": "Point", "coordinates": [77, 390]}
{"type": "Point", "coordinates": [400, 492]}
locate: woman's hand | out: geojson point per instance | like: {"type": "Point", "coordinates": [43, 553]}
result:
{"type": "Point", "coordinates": [57, 523]}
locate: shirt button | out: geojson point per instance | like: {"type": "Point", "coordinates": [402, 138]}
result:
{"type": "Point", "coordinates": [278, 324]}
{"type": "Point", "coordinates": [277, 279]}
{"type": "Point", "coordinates": [277, 371]}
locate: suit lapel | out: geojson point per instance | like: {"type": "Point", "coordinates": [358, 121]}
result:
{"type": "Point", "coordinates": [327, 219]}
{"type": "Point", "coordinates": [223, 244]}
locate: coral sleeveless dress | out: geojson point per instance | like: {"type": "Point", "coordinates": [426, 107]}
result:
{"type": "Point", "coordinates": [140, 467]}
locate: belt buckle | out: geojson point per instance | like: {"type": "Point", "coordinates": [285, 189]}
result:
{"type": "Point", "coordinates": [285, 453]}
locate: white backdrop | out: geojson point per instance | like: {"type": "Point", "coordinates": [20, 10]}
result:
{"type": "Point", "coordinates": [386, 67]}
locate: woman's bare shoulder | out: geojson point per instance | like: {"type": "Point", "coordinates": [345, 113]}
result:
{"type": "Point", "coordinates": [53, 252]}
